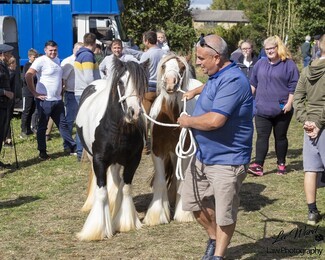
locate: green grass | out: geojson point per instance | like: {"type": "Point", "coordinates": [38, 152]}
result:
{"type": "Point", "coordinates": [40, 211]}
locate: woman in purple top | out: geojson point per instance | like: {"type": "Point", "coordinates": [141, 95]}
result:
{"type": "Point", "coordinates": [273, 81]}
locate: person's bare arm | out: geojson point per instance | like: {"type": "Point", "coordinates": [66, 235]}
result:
{"type": "Point", "coordinates": [206, 122]}
{"type": "Point", "coordinates": [29, 77]}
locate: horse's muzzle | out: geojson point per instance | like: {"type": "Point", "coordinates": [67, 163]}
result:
{"type": "Point", "coordinates": [170, 89]}
{"type": "Point", "coordinates": [132, 116]}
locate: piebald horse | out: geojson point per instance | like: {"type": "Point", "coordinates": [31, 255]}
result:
{"type": "Point", "coordinates": [173, 78]}
{"type": "Point", "coordinates": [112, 129]}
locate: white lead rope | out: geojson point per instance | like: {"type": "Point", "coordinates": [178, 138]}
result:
{"type": "Point", "coordinates": [179, 150]}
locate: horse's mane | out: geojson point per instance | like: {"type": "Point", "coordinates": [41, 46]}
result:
{"type": "Point", "coordinates": [138, 75]}
{"type": "Point", "coordinates": [160, 69]}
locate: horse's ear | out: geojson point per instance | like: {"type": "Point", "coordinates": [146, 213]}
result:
{"type": "Point", "coordinates": [117, 62]}
{"type": "Point", "coordinates": [145, 64]}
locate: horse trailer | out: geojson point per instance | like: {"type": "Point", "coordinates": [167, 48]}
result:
{"type": "Point", "coordinates": [64, 21]}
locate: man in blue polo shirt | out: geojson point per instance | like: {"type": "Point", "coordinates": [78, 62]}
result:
{"type": "Point", "coordinates": [223, 129]}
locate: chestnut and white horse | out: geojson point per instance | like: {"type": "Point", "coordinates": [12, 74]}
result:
{"type": "Point", "coordinates": [112, 129]}
{"type": "Point", "coordinates": [173, 79]}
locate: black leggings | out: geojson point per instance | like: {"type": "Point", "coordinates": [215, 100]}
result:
{"type": "Point", "coordinates": [264, 126]}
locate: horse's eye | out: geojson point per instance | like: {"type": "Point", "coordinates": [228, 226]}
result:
{"type": "Point", "coordinates": [163, 66]}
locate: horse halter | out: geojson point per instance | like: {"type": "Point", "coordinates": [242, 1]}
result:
{"type": "Point", "coordinates": [122, 99]}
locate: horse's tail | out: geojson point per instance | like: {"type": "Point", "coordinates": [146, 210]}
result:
{"type": "Point", "coordinates": [171, 181]}
{"type": "Point", "coordinates": [169, 171]}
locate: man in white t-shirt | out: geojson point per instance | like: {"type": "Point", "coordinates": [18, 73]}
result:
{"type": "Point", "coordinates": [48, 97]}
{"type": "Point", "coordinates": [105, 67]}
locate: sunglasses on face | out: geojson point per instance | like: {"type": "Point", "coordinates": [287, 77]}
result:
{"type": "Point", "coordinates": [204, 44]}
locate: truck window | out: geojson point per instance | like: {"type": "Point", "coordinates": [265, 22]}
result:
{"type": "Point", "coordinates": [101, 27]}
{"type": "Point", "coordinates": [28, 1]}
{"type": "Point", "coordinates": [120, 27]}
{"type": "Point", "coordinates": [21, 1]}
{"type": "Point", "coordinates": [41, 1]}
{"type": "Point", "coordinates": [4, 1]}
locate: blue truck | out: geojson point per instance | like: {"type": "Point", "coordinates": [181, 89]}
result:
{"type": "Point", "coordinates": [64, 21]}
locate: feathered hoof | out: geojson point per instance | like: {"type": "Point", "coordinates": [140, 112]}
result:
{"type": "Point", "coordinates": [86, 207]}
{"type": "Point", "coordinates": [127, 218]}
{"type": "Point", "coordinates": [157, 217]}
{"type": "Point", "coordinates": [126, 225]}
{"type": "Point", "coordinates": [184, 216]}
{"type": "Point", "coordinates": [98, 224]}
{"type": "Point", "coordinates": [93, 236]}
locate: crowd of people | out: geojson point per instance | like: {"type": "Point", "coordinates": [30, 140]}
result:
{"type": "Point", "coordinates": [267, 90]}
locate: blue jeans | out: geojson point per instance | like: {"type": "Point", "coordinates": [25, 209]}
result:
{"type": "Point", "coordinates": [78, 142]}
{"type": "Point", "coordinates": [306, 61]}
{"type": "Point", "coordinates": [71, 109]}
{"type": "Point", "coordinates": [55, 110]}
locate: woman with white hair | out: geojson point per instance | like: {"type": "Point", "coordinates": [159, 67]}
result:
{"type": "Point", "coordinates": [306, 51]}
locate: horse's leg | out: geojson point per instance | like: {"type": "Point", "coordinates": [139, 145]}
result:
{"type": "Point", "coordinates": [158, 211]}
{"type": "Point", "coordinates": [91, 188]}
{"type": "Point", "coordinates": [113, 183]}
{"type": "Point", "coordinates": [98, 224]}
{"type": "Point", "coordinates": [180, 215]}
{"type": "Point", "coordinates": [127, 218]}
{"type": "Point", "coordinates": [172, 189]}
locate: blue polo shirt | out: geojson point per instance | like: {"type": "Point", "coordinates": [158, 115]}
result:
{"type": "Point", "coordinates": [226, 92]}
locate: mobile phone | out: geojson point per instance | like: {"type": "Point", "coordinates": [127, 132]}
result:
{"type": "Point", "coordinates": [281, 104]}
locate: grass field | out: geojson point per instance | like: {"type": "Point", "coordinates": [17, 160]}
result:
{"type": "Point", "coordinates": [40, 212]}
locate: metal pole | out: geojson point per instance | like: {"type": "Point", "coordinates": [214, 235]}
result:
{"type": "Point", "coordinates": [14, 144]}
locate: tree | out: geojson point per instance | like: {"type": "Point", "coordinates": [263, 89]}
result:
{"type": "Point", "coordinates": [310, 20]}
{"type": "Point", "coordinates": [171, 16]}
{"type": "Point", "coordinates": [227, 5]}
{"type": "Point", "coordinates": [255, 10]}
{"type": "Point", "coordinates": [291, 20]}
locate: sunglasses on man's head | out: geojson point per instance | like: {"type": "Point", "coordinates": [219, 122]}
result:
{"type": "Point", "coordinates": [203, 43]}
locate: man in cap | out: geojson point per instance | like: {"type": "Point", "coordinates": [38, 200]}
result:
{"type": "Point", "coordinates": [5, 93]}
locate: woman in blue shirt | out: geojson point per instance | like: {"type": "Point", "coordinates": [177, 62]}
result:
{"type": "Point", "coordinates": [273, 81]}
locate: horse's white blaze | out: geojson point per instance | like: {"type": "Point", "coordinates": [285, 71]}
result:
{"type": "Point", "coordinates": [90, 114]}
{"type": "Point", "coordinates": [171, 74]}
{"type": "Point", "coordinates": [158, 211]}
{"type": "Point", "coordinates": [127, 218]}
{"type": "Point", "coordinates": [132, 99]}
{"type": "Point", "coordinates": [99, 223]}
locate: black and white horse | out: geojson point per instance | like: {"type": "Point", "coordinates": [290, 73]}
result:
{"type": "Point", "coordinates": [111, 128]}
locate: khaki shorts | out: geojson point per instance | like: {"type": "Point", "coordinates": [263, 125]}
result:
{"type": "Point", "coordinates": [213, 186]}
